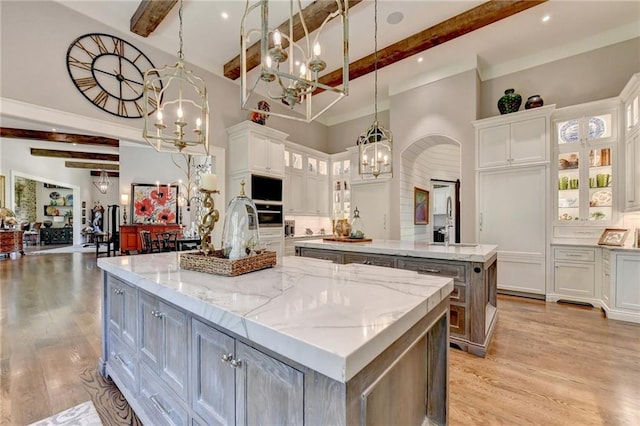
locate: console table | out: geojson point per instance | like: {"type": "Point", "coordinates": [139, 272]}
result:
{"type": "Point", "coordinates": [10, 241]}
{"type": "Point", "coordinates": [130, 234]}
{"type": "Point", "coordinates": [56, 235]}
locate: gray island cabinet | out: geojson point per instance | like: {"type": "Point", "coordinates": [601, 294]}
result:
{"type": "Point", "coordinates": [304, 343]}
{"type": "Point", "coordinates": [472, 266]}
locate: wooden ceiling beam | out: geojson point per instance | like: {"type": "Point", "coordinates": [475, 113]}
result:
{"type": "Point", "coordinates": [110, 174]}
{"type": "Point", "coordinates": [148, 16]}
{"type": "Point", "coordinates": [7, 132]}
{"type": "Point", "coordinates": [480, 16]}
{"type": "Point", "coordinates": [314, 15]}
{"type": "Point", "coordinates": [83, 165]}
{"type": "Point", "coordinates": [74, 154]}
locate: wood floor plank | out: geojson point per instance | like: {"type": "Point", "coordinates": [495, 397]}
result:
{"type": "Point", "coordinates": [548, 363]}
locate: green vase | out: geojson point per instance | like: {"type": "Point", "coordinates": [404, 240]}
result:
{"type": "Point", "coordinates": [510, 102]}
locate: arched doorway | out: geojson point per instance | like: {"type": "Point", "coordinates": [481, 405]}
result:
{"type": "Point", "coordinates": [432, 157]}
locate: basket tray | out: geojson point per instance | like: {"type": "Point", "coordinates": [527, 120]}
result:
{"type": "Point", "coordinates": [347, 240]}
{"type": "Point", "coordinates": [216, 264]}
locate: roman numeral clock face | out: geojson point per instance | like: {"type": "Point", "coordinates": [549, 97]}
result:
{"type": "Point", "coordinates": [109, 72]}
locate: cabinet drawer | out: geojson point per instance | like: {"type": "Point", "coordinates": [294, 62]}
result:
{"type": "Point", "coordinates": [122, 361]}
{"type": "Point", "coordinates": [455, 271]}
{"type": "Point", "coordinates": [457, 320]}
{"type": "Point", "coordinates": [575, 254]}
{"type": "Point", "coordinates": [334, 256]}
{"type": "Point", "coordinates": [160, 404]}
{"type": "Point", "coordinates": [369, 259]}
{"type": "Point", "coordinates": [458, 294]}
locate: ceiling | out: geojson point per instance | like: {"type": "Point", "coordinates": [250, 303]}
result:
{"type": "Point", "coordinates": [514, 43]}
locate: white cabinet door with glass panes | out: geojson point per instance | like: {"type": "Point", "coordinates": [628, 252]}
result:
{"type": "Point", "coordinates": [585, 150]}
{"type": "Point", "coordinates": [341, 187]}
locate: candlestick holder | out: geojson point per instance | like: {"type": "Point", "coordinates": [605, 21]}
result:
{"type": "Point", "coordinates": [209, 219]}
{"type": "Point", "coordinates": [124, 214]}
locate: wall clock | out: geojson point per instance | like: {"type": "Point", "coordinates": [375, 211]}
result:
{"type": "Point", "coordinates": [109, 72]}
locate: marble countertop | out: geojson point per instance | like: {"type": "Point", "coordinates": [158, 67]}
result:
{"type": "Point", "coordinates": [468, 253]}
{"type": "Point", "coordinates": [334, 319]}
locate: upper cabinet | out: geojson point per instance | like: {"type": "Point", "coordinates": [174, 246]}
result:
{"type": "Point", "coordinates": [585, 144]}
{"type": "Point", "coordinates": [341, 185]}
{"type": "Point", "coordinates": [306, 182]}
{"type": "Point", "coordinates": [630, 97]}
{"type": "Point", "coordinates": [256, 148]}
{"type": "Point", "coordinates": [520, 138]}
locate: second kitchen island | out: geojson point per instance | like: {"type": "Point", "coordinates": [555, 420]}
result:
{"type": "Point", "coordinates": [473, 268]}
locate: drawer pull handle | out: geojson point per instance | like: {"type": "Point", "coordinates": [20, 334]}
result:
{"type": "Point", "coordinates": [117, 358]}
{"type": "Point", "coordinates": [573, 255]}
{"type": "Point", "coordinates": [159, 407]}
{"type": "Point", "coordinates": [431, 271]}
{"type": "Point", "coordinates": [236, 363]}
{"type": "Point", "coordinates": [157, 314]}
{"type": "Point", "coordinates": [117, 291]}
{"type": "Point", "coordinates": [226, 357]}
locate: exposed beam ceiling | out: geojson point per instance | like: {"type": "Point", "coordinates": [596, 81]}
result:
{"type": "Point", "coordinates": [148, 16]}
{"type": "Point", "coordinates": [98, 173]}
{"type": "Point", "coordinates": [314, 15]}
{"type": "Point", "coordinates": [7, 132]}
{"type": "Point", "coordinates": [99, 166]}
{"type": "Point", "coordinates": [464, 23]}
{"type": "Point", "coordinates": [74, 154]}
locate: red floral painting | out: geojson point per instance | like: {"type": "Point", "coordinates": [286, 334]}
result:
{"type": "Point", "coordinates": [154, 203]}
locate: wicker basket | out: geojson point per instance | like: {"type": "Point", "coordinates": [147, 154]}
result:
{"type": "Point", "coordinates": [215, 263]}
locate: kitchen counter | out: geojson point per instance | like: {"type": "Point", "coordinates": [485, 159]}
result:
{"type": "Point", "coordinates": [464, 252]}
{"type": "Point", "coordinates": [305, 342]}
{"type": "Point", "coordinates": [287, 309]}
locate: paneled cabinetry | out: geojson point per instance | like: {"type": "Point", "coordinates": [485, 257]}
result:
{"type": "Point", "coordinates": [256, 148]}
{"type": "Point", "coordinates": [341, 185]}
{"type": "Point", "coordinates": [631, 103]}
{"type": "Point", "coordinates": [576, 272]}
{"type": "Point", "coordinates": [513, 196]}
{"type": "Point", "coordinates": [620, 289]}
{"type": "Point", "coordinates": [306, 183]}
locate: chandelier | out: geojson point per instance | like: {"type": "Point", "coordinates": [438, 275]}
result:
{"type": "Point", "coordinates": [377, 142]}
{"type": "Point", "coordinates": [290, 65]}
{"type": "Point", "coordinates": [103, 183]}
{"type": "Point", "coordinates": [179, 99]}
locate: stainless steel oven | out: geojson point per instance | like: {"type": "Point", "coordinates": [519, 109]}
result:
{"type": "Point", "coordinates": [270, 215]}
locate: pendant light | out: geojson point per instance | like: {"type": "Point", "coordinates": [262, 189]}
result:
{"type": "Point", "coordinates": [179, 100]}
{"type": "Point", "coordinates": [103, 183]}
{"type": "Point", "coordinates": [376, 144]}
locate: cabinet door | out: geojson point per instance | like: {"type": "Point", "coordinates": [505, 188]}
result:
{"type": "Point", "coordinates": [173, 366]}
{"type": "Point", "coordinates": [528, 141]}
{"type": "Point", "coordinates": [213, 380]}
{"type": "Point", "coordinates": [150, 331]}
{"type": "Point", "coordinates": [493, 146]}
{"type": "Point", "coordinates": [258, 375]}
{"type": "Point", "coordinates": [276, 158]}
{"type": "Point", "coordinates": [574, 279]}
{"type": "Point", "coordinates": [627, 287]}
{"type": "Point", "coordinates": [606, 277]}
{"type": "Point", "coordinates": [273, 244]}
{"type": "Point", "coordinates": [122, 304]}
{"type": "Point", "coordinates": [317, 195]}
{"type": "Point", "coordinates": [259, 153]}
{"type": "Point", "coordinates": [294, 188]}
{"type": "Point", "coordinates": [632, 172]}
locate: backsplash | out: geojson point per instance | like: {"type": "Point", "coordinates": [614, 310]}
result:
{"type": "Point", "coordinates": [312, 222]}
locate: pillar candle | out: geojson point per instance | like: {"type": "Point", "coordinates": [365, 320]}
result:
{"type": "Point", "coordinates": [209, 181]}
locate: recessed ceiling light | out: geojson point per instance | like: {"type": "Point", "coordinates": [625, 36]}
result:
{"type": "Point", "coordinates": [395, 18]}
{"type": "Point", "coordinates": [224, 15]}
{"type": "Point", "coordinates": [546, 18]}
{"type": "Point", "coordinates": [420, 59]}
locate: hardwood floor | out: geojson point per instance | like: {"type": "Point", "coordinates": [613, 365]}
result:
{"type": "Point", "coordinates": [548, 363]}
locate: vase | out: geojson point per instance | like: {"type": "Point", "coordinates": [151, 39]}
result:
{"type": "Point", "coordinates": [510, 102]}
{"type": "Point", "coordinates": [534, 101]}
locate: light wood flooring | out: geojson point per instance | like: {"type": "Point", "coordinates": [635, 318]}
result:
{"type": "Point", "coordinates": [548, 364]}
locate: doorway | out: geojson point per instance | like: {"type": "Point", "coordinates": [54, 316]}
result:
{"type": "Point", "coordinates": [445, 213]}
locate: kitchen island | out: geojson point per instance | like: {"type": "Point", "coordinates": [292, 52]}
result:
{"type": "Point", "coordinates": [472, 266]}
{"type": "Point", "coordinates": [305, 342]}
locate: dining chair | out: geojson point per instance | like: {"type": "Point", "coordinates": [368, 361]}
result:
{"type": "Point", "coordinates": [148, 244]}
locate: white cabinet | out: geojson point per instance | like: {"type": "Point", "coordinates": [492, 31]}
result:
{"type": "Point", "coordinates": [372, 200]}
{"type": "Point", "coordinates": [513, 139]}
{"type": "Point", "coordinates": [622, 301]}
{"type": "Point", "coordinates": [440, 200]}
{"type": "Point", "coordinates": [256, 148]}
{"type": "Point", "coordinates": [575, 276]}
{"type": "Point", "coordinates": [306, 184]}
{"type": "Point", "coordinates": [631, 106]}
{"type": "Point", "coordinates": [317, 195]}
{"type": "Point", "coordinates": [340, 185]}
{"type": "Point", "coordinates": [512, 211]}
{"type": "Point", "coordinates": [273, 240]}
{"type": "Point", "coordinates": [294, 196]}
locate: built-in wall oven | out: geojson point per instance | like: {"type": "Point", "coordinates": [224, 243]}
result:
{"type": "Point", "coordinates": [270, 215]}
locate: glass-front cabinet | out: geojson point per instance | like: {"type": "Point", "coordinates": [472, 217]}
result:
{"type": "Point", "coordinates": [341, 188]}
{"type": "Point", "coordinates": [585, 150]}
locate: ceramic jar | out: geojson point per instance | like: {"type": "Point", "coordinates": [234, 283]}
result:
{"type": "Point", "coordinates": [510, 102]}
{"type": "Point", "coordinates": [534, 101]}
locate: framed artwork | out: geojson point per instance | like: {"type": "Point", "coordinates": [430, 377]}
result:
{"type": "Point", "coordinates": [154, 203]}
{"type": "Point", "coordinates": [613, 237]}
{"type": "Point", "coordinates": [420, 206]}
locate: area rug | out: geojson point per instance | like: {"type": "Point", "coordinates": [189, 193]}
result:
{"type": "Point", "coordinates": [84, 414]}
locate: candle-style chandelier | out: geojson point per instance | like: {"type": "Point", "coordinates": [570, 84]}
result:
{"type": "Point", "coordinates": [290, 63]}
{"type": "Point", "coordinates": [179, 99]}
{"type": "Point", "coordinates": [103, 183]}
{"type": "Point", "coordinates": [376, 144]}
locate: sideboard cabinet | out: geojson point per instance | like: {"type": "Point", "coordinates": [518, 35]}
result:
{"type": "Point", "coordinates": [10, 241]}
{"type": "Point", "coordinates": [130, 234]}
{"type": "Point", "coordinates": [56, 235]}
